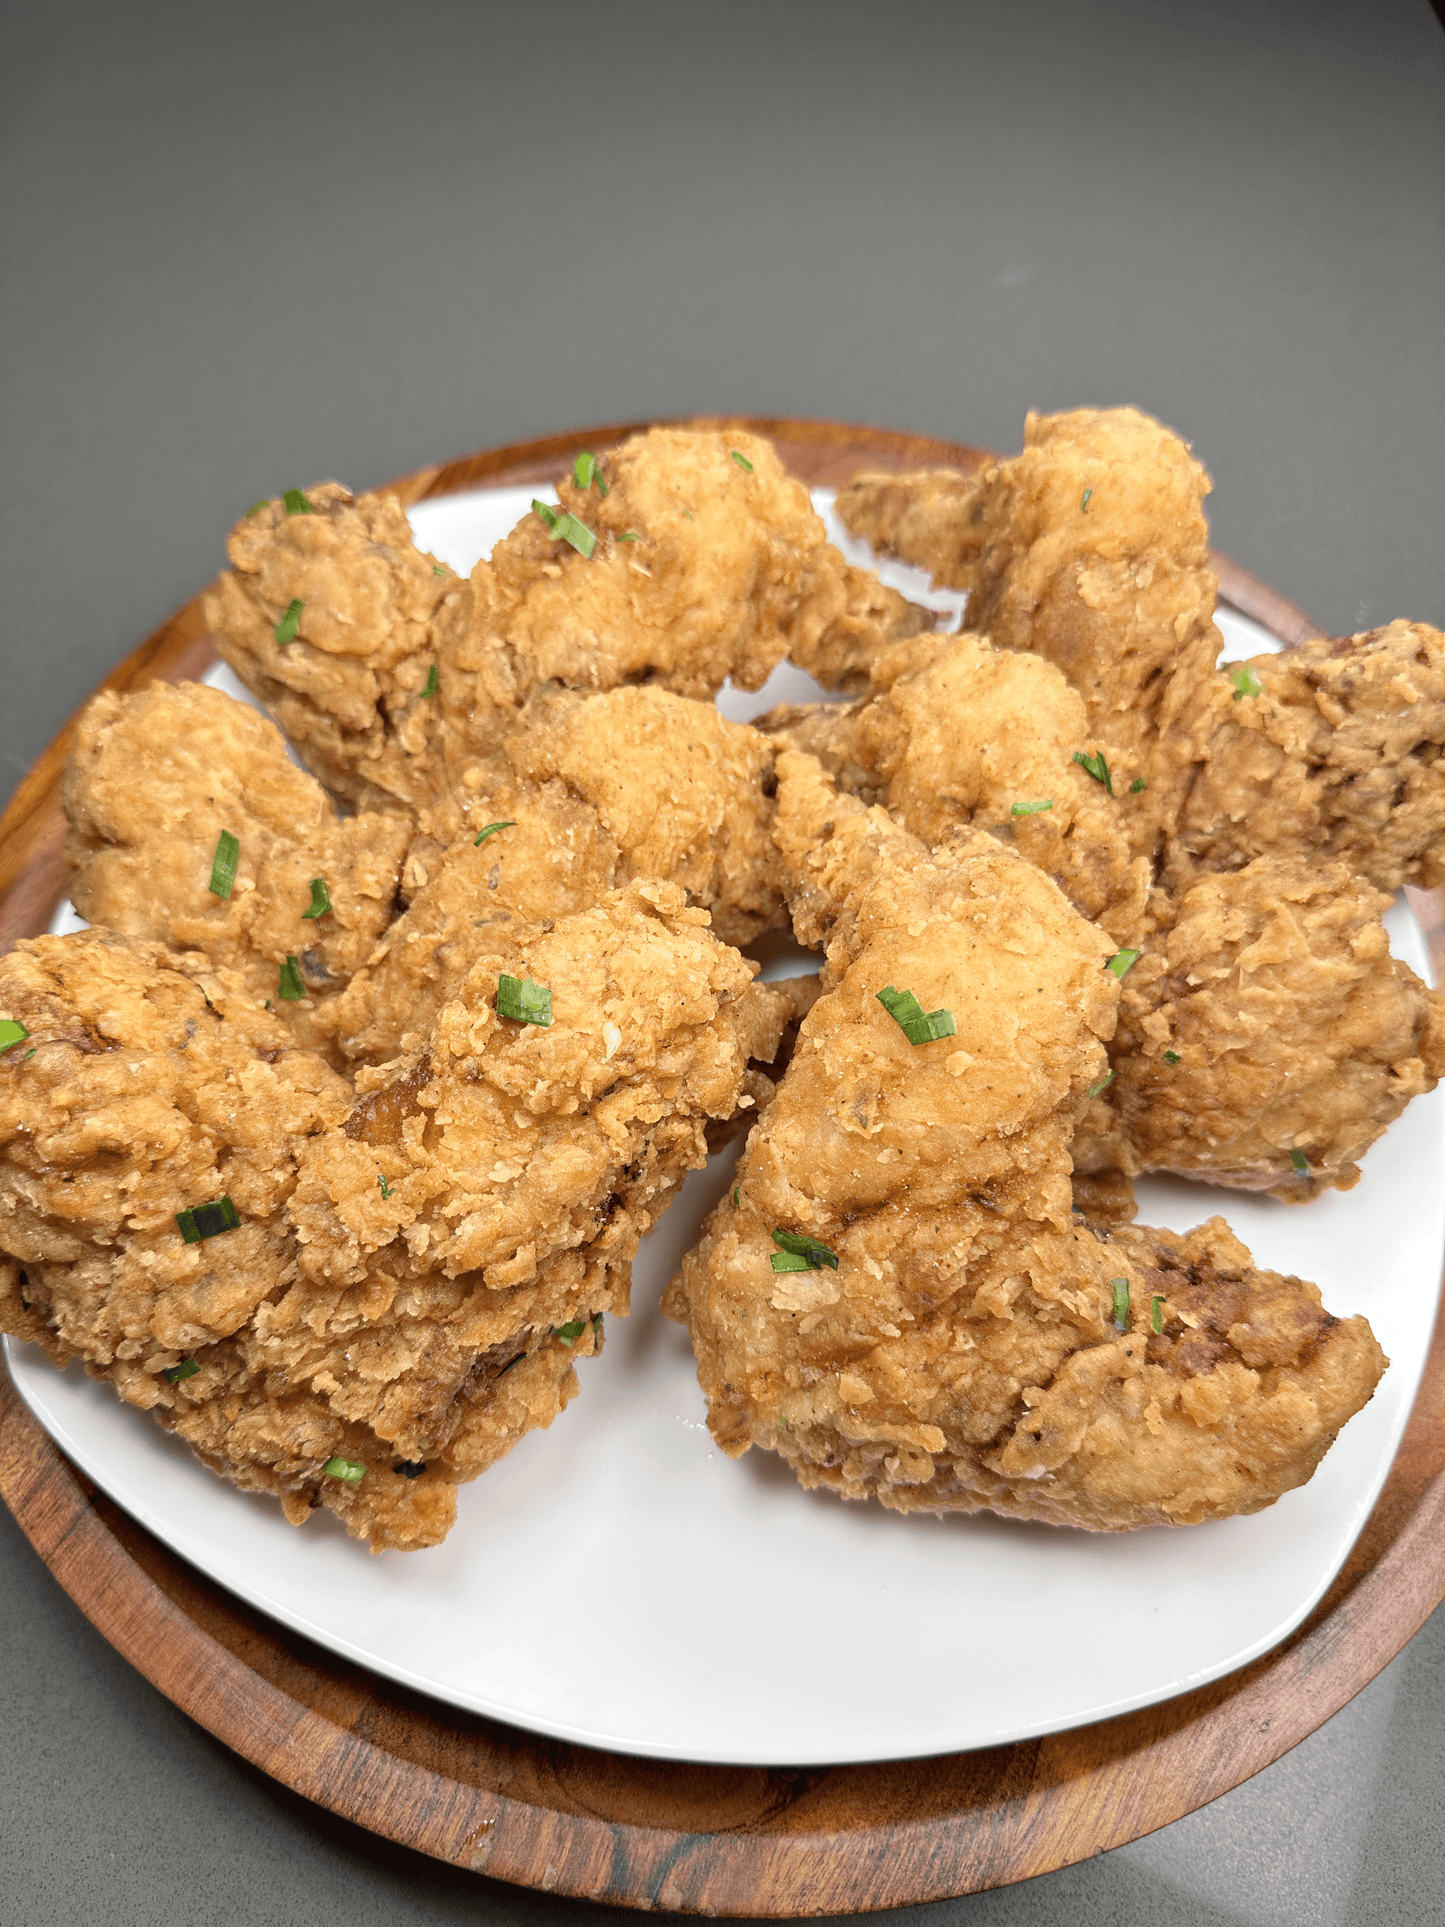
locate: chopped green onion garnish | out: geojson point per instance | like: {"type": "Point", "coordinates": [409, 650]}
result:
{"type": "Point", "coordinates": [223, 865]}
{"type": "Point", "coordinates": [413, 1468]}
{"type": "Point", "coordinates": [287, 627]}
{"type": "Point", "coordinates": [386, 1189]}
{"type": "Point", "coordinates": [256, 507]}
{"type": "Point", "coordinates": [814, 1253]}
{"type": "Point", "coordinates": [628, 535]}
{"type": "Point", "coordinates": [352, 1470]}
{"type": "Point", "coordinates": [208, 1220]}
{"type": "Point", "coordinates": [1298, 1159]}
{"type": "Point", "coordinates": [790, 1261]}
{"type": "Point", "coordinates": [1246, 683]}
{"type": "Point", "coordinates": [565, 527]}
{"type": "Point", "coordinates": [291, 987]}
{"type": "Point", "coordinates": [1097, 768]}
{"type": "Point", "coordinates": [437, 569]}
{"type": "Point", "coordinates": [586, 471]}
{"type": "Point", "coordinates": [1171, 1057]}
{"type": "Point", "coordinates": [1032, 809]}
{"type": "Point", "coordinates": [173, 1374]}
{"type": "Point", "coordinates": [1137, 785]}
{"type": "Point", "coordinates": [431, 681]}
{"type": "Point", "coordinates": [1103, 1084]}
{"type": "Point", "coordinates": [1156, 1312]}
{"type": "Point", "coordinates": [741, 459]}
{"type": "Point", "coordinates": [320, 901]}
{"type": "Point", "coordinates": [1121, 1303]}
{"type": "Point", "coordinates": [571, 1331]}
{"type": "Point", "coordinates": [295, 503]}
{"type": "Point", "coordinates": [523, 1001]}
{"type": "Point", "coordinates": [12, 1032]}
{"type": "Point", "coordinates": [918, 1025]}
{"type": "Point", "coordinates": [547, 513]}
{"type": "Point", "coordinates": [688, 514]}
{"type": "Point", "coordinates": [491, 830]}
{"type": "Point", "coordinates": [1123, 961]}
{"type": "Point", "coordinates": [1084, 505]}
{"type": "Point", "coordinates": [28, 1055]}
{"type": "Point", "coordinates": [737, 1196]}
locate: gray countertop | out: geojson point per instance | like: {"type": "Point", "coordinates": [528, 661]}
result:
{"type": "Point", "coordinates": [251, 246]}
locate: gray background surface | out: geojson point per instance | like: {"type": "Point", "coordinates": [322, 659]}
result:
{"type": "Point", "coordinates": [249, 247]}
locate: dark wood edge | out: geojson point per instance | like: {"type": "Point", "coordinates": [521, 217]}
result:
{"type": "Point", "coordinates": [641, 1833]}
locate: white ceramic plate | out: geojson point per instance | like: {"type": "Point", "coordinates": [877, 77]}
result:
{"type": "Point", "coordinates": [617, 1581]}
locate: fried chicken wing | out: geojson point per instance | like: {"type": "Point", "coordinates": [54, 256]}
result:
{"type": "Point", "coordinates": [393, 1258]}
{"type": "Point", "coordinates": [955, 1340]}
{"type": "Point", "coordinates": [704, 559]}
{"type": "Point", "coordinates": [1266, 1036]}
{"type": "Point", "coordinates": [929, 517]}
{"type": "Point", "coordinates": [961, 733]}
{"type": "Point", "coordinates": [154, 781]}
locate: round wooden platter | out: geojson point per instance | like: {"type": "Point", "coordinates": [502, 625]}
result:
{"type": "Point", "coordinates": [659, 1834]}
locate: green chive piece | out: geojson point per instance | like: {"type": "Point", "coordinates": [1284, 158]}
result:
{"type": "Point", "coordinates": [688, 513]}
{"type": "Point", "coordinates": [737, 1196]}
{"type": "Point", "coordinates": [386, 1189]}
{"type": "Point", "coordinates": [1156, 1312]}
{"type": "Point", "coordinates": [223, 865]}
{"type": "Point", "coordinates": [173, 1374]}
{"type": "Point", "coordinates": [511, 1362]}
{"type": "Point", "coordinates": [741, 459]}
{"type": "Point", "coordinates": [1171, 1057]}
{"type": "Point", "coordinates": [570, 1332]}
{"type": "Point", "coordinates": [256, 507]}
{"type": "Point", "coordinates": [1137, 785]}
{"type": "Point", "coordinates": [430, 686]}
{"type": "Point", "coordinates": [28, 1055]}
{"type": "Point", "coordinates": [1245, 682]}
{"type": "Point", "coordinates": [491, 830]}
{"type": "Point", "coordinates": [1121, 1303]}
{"type": "Point", "coordinates": [523, 1001]}
{"type": "Point", "coordinates": [1084, 505]}
{"type": "Point", "coordinates": [918, 1025]}
{"type": "Point", "coordinates": [584, 468]}
{"type": "Point", "coordinates": [352, 1470]}
{"type": "Point", "coordinates": [1298, 1159]}
{"type": "Point", "coordinates": [569, 529]}
{"type": "Point", "coordinates": [320, 901]}
{"type": "Point", "coordinates": [547, 513]}
{"type": "Point", "coordinates": [287, 627]}
{"type": "Point", "coordinates": [814, 1253]}
{"type": "Point", "coordinates": [1032, 809]}
{"type": "Point", "coordinates": [1103, 1084]}
{"type": "Point", "coordinates": [291, 987]}
{"type": "Point", "coordinates": [208, 1220]}
{"type": "Point", "coordinates": [295, 503]}
{"type": "Point", "coordinates": [1123, 961]}
{"type": "Point", "coordinates": [628, 535]}
{"type": "Point", "coordinates": [1097, 768]}
{"type": "Point", "coordinates": [437, 569]}
{"type": "Point", "coordinates": [790, 1261]}
{"type": "Point", "coordinates": [12, 1032]}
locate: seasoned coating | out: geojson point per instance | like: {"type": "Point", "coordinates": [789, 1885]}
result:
{"type": "Point", "coordinates": [156, 777]}
{"type": "Point", "coordinates": [398, 1255]}
{"type": "Point", "coordinates": [1295, 1037]}
{"type": "Point", "coordinates": [928, 516]}
{"type": "Point", "coordinates": [1340, 755]}
{"type": "Point", "coordinates": [964, 1353]}
{"type": "Point", "coordinates": [684, 793]}
{"type": "Point", "coordinates": [703, 568]}
{"type": "Point", "coordinates": [961, 733]}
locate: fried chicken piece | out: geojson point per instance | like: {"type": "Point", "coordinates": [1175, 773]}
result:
{"type": "Point", "coordinates": [973, 1347]}
{"type": "Point", "coordinates": [1332, 751]}
{"type": "Point", "coordinates": [1266, 1036]}
{"type": "Point", "coordinates": [476, 1211]}
{"type": "Point", "coordinates": [699, 566]}
{"type": "Point", "coordinates": [961, 733]}
{"type": "Point", "coordinates": [154, 780]}
{"type": "Point", "coordinates": [927, 516]}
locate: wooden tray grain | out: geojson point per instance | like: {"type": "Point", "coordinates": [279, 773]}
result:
{"type": "Point", "coordinates": [658, 1834]}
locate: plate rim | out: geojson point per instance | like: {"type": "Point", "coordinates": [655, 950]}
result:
{"type": "Point", "coordinates": [646, 1833]}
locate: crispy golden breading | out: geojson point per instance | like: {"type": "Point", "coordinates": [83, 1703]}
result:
{"type": "Point", "coordinates": [703, 568]}
{"type": "Point", "coordinates": [1339, 755]}
{"type": "Point", "coordinates": [1296, 1038]}
{"type": "Point", "coordinates": [396, 1256]}
{"type": "Point", "coordinates": [153, 781]}
{"type": "Point", "coordinates": [960, 734]}
{"type": "Point", "coordinates": [929, 517]}
{"type": "Point", "coordinates": [964, 1353]}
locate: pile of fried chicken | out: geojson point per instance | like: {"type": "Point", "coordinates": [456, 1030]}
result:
{"type": "Point", "coordinates": [331, 1140]}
